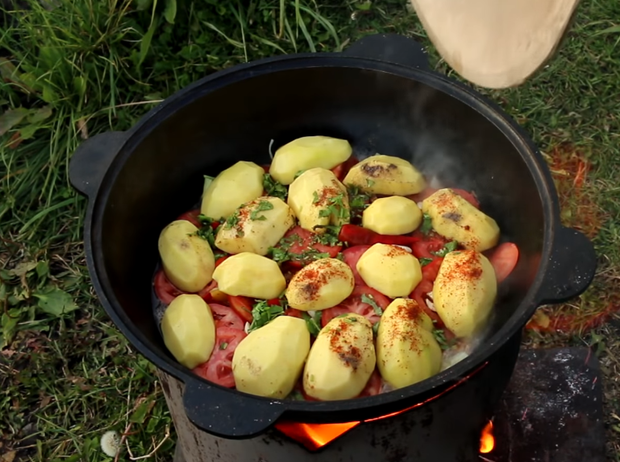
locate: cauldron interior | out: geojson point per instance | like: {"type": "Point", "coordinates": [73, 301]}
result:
{"type": "Point", "coordinates": [159, 173]}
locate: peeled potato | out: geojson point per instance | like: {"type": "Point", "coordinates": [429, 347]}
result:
{"type": "Point", "coordinates": [270, 359]}
{"type": "Point", "coordinates": [188, 330]}
{"type": "Point", "coordinates": [256, 226]}
{"type": "Point", "coordinates": [322, 284]}
{"type": "Point", "coordinates": [306, 153]}
{"type": "Point", "coordinates": [386, 175]}
{"type": "Point", "coordinates": [456, 219]}
{"type": "Point", "coordinates": [390, 269]}
{"type": "Point", "coordinates": [187, 259]}
{"type": "Point", "coordinates": [407, 351]}
{"type": "Point", "coordinates": [250, 275]}
{"type": "Point", "coordinates": [392, 215]}
{"type": "Point", "coordinates": [464, 291]}
{"type": "Point", "coordinates": [318, 199]}
{"type": "Point", "coordinates": [341, 359]}
{"type": "Point", "coordinates": [241, 183]}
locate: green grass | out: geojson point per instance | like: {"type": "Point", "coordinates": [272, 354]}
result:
{"type": "Point", "coordinates": [86, 66]}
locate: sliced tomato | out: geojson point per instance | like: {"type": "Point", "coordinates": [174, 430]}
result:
{"type": "Point", "coordinates": [192, 217]}
{"type": "Point", "coordinates": [220, 260]}
{"type": "Point", "coordinates": [429, 274]}
{"type": "Point", "coordinates": [218, 369]}
{"type": "Point", "coordinates": [293, 313]}
{"type": "Point", "coordinates": [165, 290]}
{"type": "Point", "coordinates": [373, 386]}
{"type": "Point", "coordinates": [351, 256]}
{"type": "Point", "coordinates": [266, 167]}
{"type": "Point", "coordinates": [206, 292]}
{"type": "Point", "coordinates": [242, 306]}
{"type": "Point", "coordinates": [504, 258]}
{"type": "Point", "coordinates": [354, 304]}
{"type": "Point", "coordinates": [428, 244]}
{"type": "Point", "coordinates": [302, 240]}
{"type": "Point", "coordinates": [342, 169]}
{"type": "Point", "coordinates": [226, 317]}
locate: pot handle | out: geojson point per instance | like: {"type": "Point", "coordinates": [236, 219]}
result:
{"type": "Point", "coordinates": [392, 48]}
{"type": "Point", "coordinates": [222, 414]}
{"type": "Point", "coordinates": [571, 267]}
{"type": "Point", "coordinates": [91, 160]}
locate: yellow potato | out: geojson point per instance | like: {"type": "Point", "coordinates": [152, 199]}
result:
{"type": "Point", "coordinates": [386, 175]}
{"type": "Point", "coordinates": [407, 351]}
{"type": "Point", "coordinates": [187, 259]}
{"type": "Point", "coordinates": [241, 183]}
{"type": "Point", "coordinates": [270, 359]}
{"type": "Point", "coordinates": [456, 219]}
{"type": "Point", "coordinates": [318, 199]}
{"type": "Point", "coordinates": [392, 215]}
{"type": "Point", "coordinates": [390, 269]}
{"type": "Point", "coordinates": [188, 330]}
{"type": "Point", "coordinates": [250, 275]}
{"type": "Point", "coordinates": [464, 291]}
{"type": "Point", "coordinates": [322, 284]}
{"type": "Point", "coordinates": [306, 153]}
{"type": "Point", "coordinates": [341, 359]}
{"type": "Point", "coordinates": [256, 226]}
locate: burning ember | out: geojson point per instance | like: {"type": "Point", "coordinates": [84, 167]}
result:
{"type": "Point", "coordinates": [487, 440]}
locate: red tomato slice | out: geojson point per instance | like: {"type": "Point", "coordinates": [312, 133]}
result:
{"type": "Point", "coordinates": [428, 244]}
{"type": "Point", "coordinates": [373, 386]}
{"type": "Point", "coordinates": [469, 197]}
{"type": "Point", "coordinates": [226, 317]}
{"type": "Point", "coordinates": [242, 306]}
{"type": "Point", "coordinates": [218, 369]}
{"type": "Point", "coordinates": [164, 289]}
{"type": "Point", "coordinates": [293, 313]}
{"type": "Point", "coordinates": [342, 169]}
{"type": "Point", "coordinates": [266, 167]}
{"type": "Point", "coordinates": [354, 304]}
{"type": "Point", "coordinates": [192, 216]}
{"type": "Point", "coordinates": [351, 256]}
{"type": "Point", "coordinates": [302, 240]}
{"type": "Point", "coordinates": [220, 260]}
{"type": "Point", "coordinates": [504, 258]}
{"type": "Point", "coordinates": [205, 293]}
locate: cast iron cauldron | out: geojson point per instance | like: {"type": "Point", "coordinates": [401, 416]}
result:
{"type": "Point", "coordinates": [379, 95]}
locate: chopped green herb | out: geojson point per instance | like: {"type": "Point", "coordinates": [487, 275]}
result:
{"type": "Point", "coordinates": [336, 208]}
{"type": "Point", "coordinates": [427, 224]}
{"type": "Point", "coordinates": [370, 183]}
{"type": "Point", "coordinates": [296, 396]}
{"type": "Point", "coordinates": [278, 254]}
{"type": "Point", "coordinates": [233, 220]}
{"type": "Point", "coordinates": [449, 247]}
{"type": "Point", "coordinates": [218, 255]}
{"type": "Point", "coordinates": [358, 201]}
{"type": "Point", "coordinates": [274, 188]}
{"type": "Point", "coordinates": [425, 261]}
{"type": "Point", "coordinates": [223, 345]}
{"type": "Point", "coordinates": [316, 197]}
{"type": "Point", "coordinates": [375, 328]}
{"type": "Point", "coordinates": [263, 314]}
{"type": "Point", "coordinates": [329, 237]}
{"type": "Point", "coordinates": [206, 231]}
{"type": "Point", "coordinates": [263, 206]}
{"type": "Point", "coordinates": [313, 322]}
{"type": "Point", "coordinates": [440, 336]}
{"type": "Point", "coordinates": [368, 298]}
{"type": "Point", "coordinates": [298, 174]}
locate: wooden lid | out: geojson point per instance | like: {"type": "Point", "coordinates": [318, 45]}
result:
{"type": "Point", "coordinates": [495, 43]}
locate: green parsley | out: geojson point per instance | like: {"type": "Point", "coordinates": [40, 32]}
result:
{"type": "Point", "coordinates": [298, 174]}
{"type": "Point", "coordinates": [223, 345]}
{"type": "Point", "coordinates": [440, 337]}
{"type": "Point", "coordinates": [274, 188]}
{"type": "Point", "coordinates": [427, 224]}
{"type": "Point", "coordinates": [313, 323]}
{"type": "Point", "coordinates": [336, 208]}
{"type": "Point", "coordinates": [329, 237]}
{"type": "Point", "coordinates": [263, 314]}
{"type": "Point", "coordinates": [263, 206]}
{"type": "Point", "coordinates": [278, 254]}
{"type": "Point", "coordinates": [233, 220]}
{"type": "Point", "coordinates": [315, 197]}
{"type": "Point", "coordinates": [296, 396]}
{"type": "Point", "coordinates": [449, 247]}
{"type": "Point", "coordinates": [375, 328]}
{"type": "Point", "coordinates": [370, 183]}
{"type": "Point", "coordinates": [368, 298]}
{"type": "Point", "coordinates": [206, 231]}
{"type": "Point", "coordinates": [425, 261]}
{"type": "Point", "coordinates": [358, 201]}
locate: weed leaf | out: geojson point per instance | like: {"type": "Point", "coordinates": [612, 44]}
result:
{"type": "Point", "coordinates": [11, 118]}
{"type": "Point", "coordinates": [171, 10]}
{"type": "Point", "coordinates": [145, 44]}
{"type": "Point", "coordinates": [55, 301]}
{"type": "Point", "coordinates": [39, 115]}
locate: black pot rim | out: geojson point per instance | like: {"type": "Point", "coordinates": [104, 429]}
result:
{"type": "Point", "coordinates": [509, 128]}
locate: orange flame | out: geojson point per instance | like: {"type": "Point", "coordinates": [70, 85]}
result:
{"type": "Point", "coordinates": [315, 436]}
{"type": "Point", "coordinates": [487, 440]}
